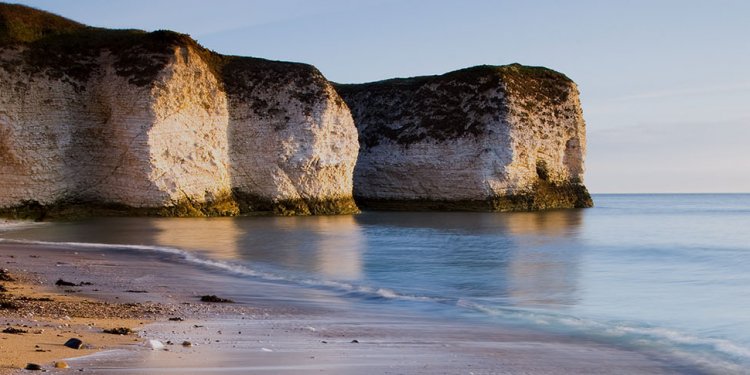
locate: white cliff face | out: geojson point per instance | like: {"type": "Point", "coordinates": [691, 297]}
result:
{"type": "Point", "coordinates": [188, 141]}
{"type": "Point", "coordinates": [486, 138]}
{"type": "Point", "coordinates": [113, 142]}
{"type": "Point", "coordinates": [549, 134]}
{"type": "Point", "coordinates": [179, 139]}
{"type": "Point", "coordinates": [29, 172]}
{"type": "Point", "coordinates": [292, 141]}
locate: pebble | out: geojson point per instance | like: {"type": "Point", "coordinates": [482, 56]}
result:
{"type": "Point", "coordinates": [187, 343]}
{"type": "Point", "coordinates": [61, 364]}
{"type": "Point", "coordinates": [33, 367]}
{"type": "Point", "coordinates": [74, 343]}
{"type": "Point", "coordinates": [155, 344]}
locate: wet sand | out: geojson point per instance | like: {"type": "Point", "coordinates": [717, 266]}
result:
{"type": "Point", "coordinates": [273, 328]}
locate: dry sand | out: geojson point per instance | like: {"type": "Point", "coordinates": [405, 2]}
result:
{"type": "Point", "coordinates": [49, 319]}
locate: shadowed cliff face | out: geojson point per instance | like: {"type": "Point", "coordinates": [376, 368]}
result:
{"type": "Point", "coordinates": [483, 138]}
{"type": "Point", "coordinates": [98, 121]}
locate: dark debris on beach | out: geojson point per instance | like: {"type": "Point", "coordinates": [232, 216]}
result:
{"type": "Point", "coordinates": [5, 275]}
{"type": "Point", "coordinates": [119, 331]}
{"type": "Point", "coordinates": [215, 299]}
{"type": "Point", "coordinates": [15, 331]}
{"type": "Point", "coordinates": [61, 282]}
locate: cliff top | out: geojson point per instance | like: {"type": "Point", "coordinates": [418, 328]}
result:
{"type": "Point", "coordinates": [448, 106]}
{"type": "Point", "coordinates": [19, 23]}
{"type": "Point", "coordinates": [512, 73]}
{"type": "Point", "coordinates": [67, 50]}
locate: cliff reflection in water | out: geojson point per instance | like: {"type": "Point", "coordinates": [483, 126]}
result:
{"type": "Point", "coordinates": [520, 259]}
{"type": "Point", "coordinates": [545, 268]}
{"type": "Point", "coordinates": [326, 245]}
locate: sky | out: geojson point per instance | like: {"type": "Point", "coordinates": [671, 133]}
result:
{"type": "Point", "coordinates": [665, 85]}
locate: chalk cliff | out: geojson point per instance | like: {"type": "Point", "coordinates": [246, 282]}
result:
{"type": "Point", "coordinates": [98, 121]}
{"type": "Point", "coordinates": [125, 121]}
{"type": "Point", "coordinates": [497, 138]}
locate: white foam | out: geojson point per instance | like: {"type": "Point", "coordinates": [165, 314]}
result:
{"type": "Point", "coordinates": [716, 355]}
{"type": "Point", "coordinates": [240, 269]}
{"type": "Point", "coordinates": [10, 225]}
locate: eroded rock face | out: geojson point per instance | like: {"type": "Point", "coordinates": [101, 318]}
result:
{"type": "Point", "coordinates": [484, 138]}
{"type": "Point", "coordinates": [123, 121]}
{"type": "Point", "coordinates": [106, 141]}
{"type": "Point", "coordinates": [293, 144]}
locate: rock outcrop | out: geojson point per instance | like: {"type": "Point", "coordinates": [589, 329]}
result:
{"type": "Point", "coordinates": [126, 121]}
{"type": "Point", "coordinates": [98, 121]}
{"type": "Point", "coordinates": [496, 138]}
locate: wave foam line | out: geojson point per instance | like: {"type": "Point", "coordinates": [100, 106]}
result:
{"type": "Point", "coordinates": [243, 270]}
{"type": "Point", "coordinates": [717, 355]}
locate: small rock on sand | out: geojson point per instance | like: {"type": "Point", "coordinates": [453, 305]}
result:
{"type": "Point", "coordinates": [155, 344]}
{"type": "Point", "coordinates": [33, 367]}
{"type": "Point", "coordinates": [61, 364]}
{"type": "Point", "coordinates": [74, 343]}
{"type": "Point", "coordinates": [187, 343]}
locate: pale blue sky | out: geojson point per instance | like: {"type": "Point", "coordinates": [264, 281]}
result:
{"type": "Point", "coordinates": [665, 84]}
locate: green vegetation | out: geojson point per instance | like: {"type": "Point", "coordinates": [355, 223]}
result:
{"type": "Point", "coordinates": [76, 208]}
{"type": "Point", "coordinates": [222, 205]}
{"type": "Point", "coordinates": [234, 204]}
{"type": "Point", "coordinates": [67, 50]}
{"type": "Point", "coordinates": [251, 204]}
{"type": "Point", "coordinates": [543, 196]}
{"type": "Point", "coordinates": [19, 23]}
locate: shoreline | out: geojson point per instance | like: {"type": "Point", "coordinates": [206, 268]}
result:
{"type": "Point", "coordinates": [271, 329]}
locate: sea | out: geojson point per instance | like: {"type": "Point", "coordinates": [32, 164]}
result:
{"type": "Point", "coordinates": [661, 272]}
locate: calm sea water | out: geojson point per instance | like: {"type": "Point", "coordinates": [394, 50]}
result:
{"type": "Point", "coordinates": [661, 272]}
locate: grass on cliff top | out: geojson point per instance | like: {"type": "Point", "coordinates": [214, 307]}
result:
{"type": "Point", "coordinates": [65, 49]}
{"type": "Point", "coordinates": [19, 23]}
{"type": "Point", "coordinates": [467, 75]}
{"type": "Point", "coordinates": [456, 104]}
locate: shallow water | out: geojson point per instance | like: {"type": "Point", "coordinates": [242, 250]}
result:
{"type": "Point", "coordinates": [662, 272]}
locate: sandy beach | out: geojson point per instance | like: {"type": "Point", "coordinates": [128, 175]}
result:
{"type": "Point", "coordinates": [270, 328]}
